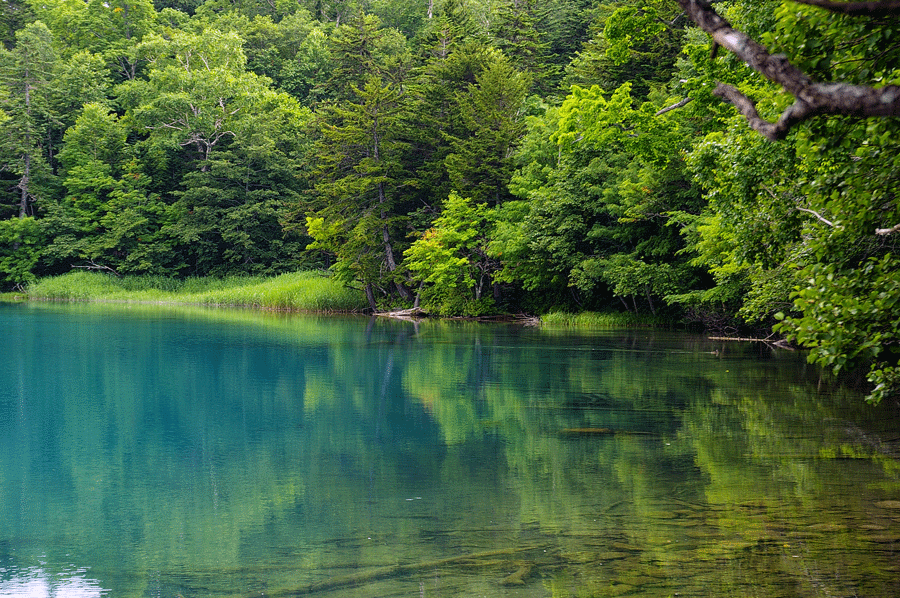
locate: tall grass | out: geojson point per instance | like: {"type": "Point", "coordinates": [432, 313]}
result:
{"type": "Point", "coordinates": [298, 291]}
{"type": "Point", "coordinates": [15, 297]}
{"type": "Point", "coordinates": [592, 319]}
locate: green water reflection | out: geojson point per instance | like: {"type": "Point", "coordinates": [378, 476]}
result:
{"type": "Point", "coordinates": [159, 451]}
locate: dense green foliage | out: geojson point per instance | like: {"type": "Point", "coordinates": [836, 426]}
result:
{"type": "Point", "coordinates": [470, 156]}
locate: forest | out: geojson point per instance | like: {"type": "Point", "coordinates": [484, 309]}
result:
{"type": "Point", "coordinates": [732, 165]}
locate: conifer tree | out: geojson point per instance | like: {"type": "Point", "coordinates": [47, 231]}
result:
{"type": "Point", "coordinates": [359, 179]}
{"type": "Point", "coordinates": [25, 76]}
{"type": "Point", "coordinates": [492, 111]}
{"type": "Point", "coordinates": [519, 32]}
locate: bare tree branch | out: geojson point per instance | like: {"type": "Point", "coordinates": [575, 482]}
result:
{"type": "Point", "coordinates": [885, 8]}
{"type": "Point", "coordinates": [820, 217]}
{"type": "Point", "coordinates": [810, 98]}
{"type": "Point", "coordinates": [794, 114]}
{"type": "Point", "coordinates": [675, 106]}
{"type": "Point", "coordinates": [887, 231]}
{"type": "Point", "coordinates": [92, 265]}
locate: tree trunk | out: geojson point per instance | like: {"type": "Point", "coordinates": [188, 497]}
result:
{"type": "Point", "coordinates": [25, 181]}
{"type": "Point", "coordinates": [649, 300]}
{"type": "Point", "coordinates": [388, 249]}
{"type": "Point", "coordinates": [370, 295]}
{"type": "Point", "coordinates": [23, 184]}
{"type": "Point", "coordinates": [418, 295]}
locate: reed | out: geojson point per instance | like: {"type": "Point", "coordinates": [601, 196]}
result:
{"type": "Point", "coordinates": [297, 291]}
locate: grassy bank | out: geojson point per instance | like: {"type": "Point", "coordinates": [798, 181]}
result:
{"type": "Point", "coordinates": [298, 291]}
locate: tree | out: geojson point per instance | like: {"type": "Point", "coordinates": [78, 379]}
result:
{"type": "Point", "coordinates": [407, 16]}
{"type": "Point", "coordinates": [108, 218]}
{"type": "Point", "coordinates": [750, 231]}
{"type": "Point", "coordinates": [634, 42]}
{"type": "Point", "coordinates": [13, 16]}
{"type": "Point", "coordinates": [197, 91]}
{"type": "Point", "coordinates": [452, 64]}
{"type": "Point", "coordinates": [362, 48]}
{"type": "Point", "coordinates": [600, 179]}
{"type": "Point", "coordinates": [25, 74]}
{"type": "Point", "coordinates": [305, 76]}
{"type": "Point", "coordinates": [229, 146]}
{"type": "Point", "coordinates": [91, 161]}
{"type": "Point", "coordinates": [852, 316]}
{"type": "Point", "coordinates": [519, 31]}
{"type": "Point", "coordinates": [232, 212]}
{"type": "Point", "coordinates": [451, 260]}
{"type": "Point", "coordinates": [110, 30]}
{"type": "Point", "coordinates": [493, 113]}
{"type": "Point", "coordinates": [291, 51]}
{"type": "Point", "coordinates": [358, 180]}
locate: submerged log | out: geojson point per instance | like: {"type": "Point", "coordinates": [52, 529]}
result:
{"type": "Point", "coordinates": [576, 432]}
{"type": "Point", "coordinates": [585, 431]}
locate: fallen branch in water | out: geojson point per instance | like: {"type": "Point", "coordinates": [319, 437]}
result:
{"type": "Point", "coordinates": [403, 314]}
{"type": "Point", "coordinates": [781, 343]}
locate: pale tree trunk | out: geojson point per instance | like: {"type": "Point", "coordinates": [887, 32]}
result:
{"type": "Point", "coordinates": [25, 181]}
{"type": "Point", "coordinates": [23, 185]}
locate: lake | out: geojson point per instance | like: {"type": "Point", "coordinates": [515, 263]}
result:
{"type": "Point", "coordinates": [154, 451]}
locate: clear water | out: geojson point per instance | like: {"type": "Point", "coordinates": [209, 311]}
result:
{"type": "Point", "coordinates": [170, 452]}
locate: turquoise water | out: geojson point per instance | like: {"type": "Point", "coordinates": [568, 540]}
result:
{"type": "Point", "coordinates": [166, 452]}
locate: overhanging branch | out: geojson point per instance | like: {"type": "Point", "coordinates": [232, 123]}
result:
{"type": "Point", "coordinates": [811, 99]}
{"type": "Point", "coordinates": [884, 8]}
